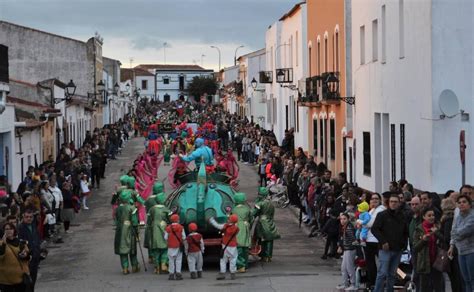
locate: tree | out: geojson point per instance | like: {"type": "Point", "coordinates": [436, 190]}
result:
{"type": "Point", "coordinates": [202, 85]}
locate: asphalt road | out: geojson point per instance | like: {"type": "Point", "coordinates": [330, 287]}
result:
{"type": "Point", "coordinates": [86, 261]}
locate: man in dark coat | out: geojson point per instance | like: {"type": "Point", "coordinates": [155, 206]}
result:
{"type": "Point", "coordinates": [27, 231]}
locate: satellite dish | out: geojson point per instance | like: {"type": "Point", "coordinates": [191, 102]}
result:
{"type": "Point", "coordinates": [448, 103]}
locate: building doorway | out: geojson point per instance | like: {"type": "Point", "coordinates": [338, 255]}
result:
{"type": "Point", "coordinates": [166, 98]}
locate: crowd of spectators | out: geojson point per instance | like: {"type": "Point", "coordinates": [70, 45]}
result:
{"type": "Point", "coordinates": [44, 204]}
{"type": "Point", "coordinates": [433, 233]}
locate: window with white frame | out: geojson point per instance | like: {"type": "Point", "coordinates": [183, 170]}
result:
{"type": "Point", "coordinates": [362, 44]}
{"type": "Point", "coordinates": [375, 40]}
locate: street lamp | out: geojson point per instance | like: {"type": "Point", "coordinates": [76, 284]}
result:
{"type": "Point", "coordinates": [214, 47]}
{"type": "Point", "coordinates": [235, 55]}
{"type": "Point", "coordinates": [70, 89]}
{"type": "Point", "coordinates": [101, 86]}
{"type": "Point", "coordinates": [127, 87]}
{"type": "Point", "coordinates": [280, 75]}
{"type": "Point", "coordinates": [116, 88]}
{"type": "Point", "coordinates": [254, 83]}
{"type": "Point", "coordinates": [332, 84]}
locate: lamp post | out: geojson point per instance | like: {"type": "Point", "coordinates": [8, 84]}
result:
{"type": "Point", "coordinates": [202, 57]}
{"type": "Point", "coordinates": [214, 47]}
{"type": "Point", "coordinates": [164, 51]}
{"type": "Point", "coordinates": [235, 54]}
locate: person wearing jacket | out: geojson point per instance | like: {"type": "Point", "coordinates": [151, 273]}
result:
{"type": "Point", "coordinates": [242, 210]}
{"type": "Point", "coordinates": [156, 223]}
{"type": "Point", "coordinates": [346, 247]}
{"type": "Point", "coordinates": [425, 240]}
{"type": "Point", "coordinates": [176, 238]}
{"type": "Point", "coordinates": [372, 250]}
{"type": "Point", "coordinates": [331, 229]}
{"type": "Point", "coordinates": [28, 231]}
{"type": "Point", "coordinates": [14, 258]}
{"type": "Point", "coordinates": [462, 237]}
{"type": "Point", "coordinates": [447, 206]}
{"type": "Point", "coordinates": [392, 233]}
{"type": "Point", "coordinates": [194, 250]}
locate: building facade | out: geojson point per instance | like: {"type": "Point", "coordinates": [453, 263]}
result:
{"type": "Point", "coordinates": [171, 81]}
{"type": "Point", "coordinates": [286, 66]}
{"type": "Point", "coordinates": [326, 119]}
{"type": "Point", "coordinates": [412, 63]}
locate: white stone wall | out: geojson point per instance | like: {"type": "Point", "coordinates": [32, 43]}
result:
{"type": "Point", "coordinates": [172, 89]}
{"type": "Point", "coordinates": [428, 49]}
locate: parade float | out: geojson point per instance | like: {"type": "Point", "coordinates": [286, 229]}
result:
{"type": "Point", "coordinates": [201, 196]}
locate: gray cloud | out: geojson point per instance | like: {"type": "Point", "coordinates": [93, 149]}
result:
{"type": "Point", "coordinates": [145, 42]}
{"type": "Point", "coordinates": [146, 24]}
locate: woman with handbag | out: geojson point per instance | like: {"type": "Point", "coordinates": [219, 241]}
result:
{"type": "Point", "coordinates": [14, 258]}
{"type": "Point", "coordinates": [447, 206]}
{"type": "Point", "coordinates": [425, 240]}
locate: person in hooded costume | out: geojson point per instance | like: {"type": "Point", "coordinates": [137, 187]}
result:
{"type": "Point", "coordinates": [157, 222]}
{"type": "Point", "coordinates": [125, 243]}
{"type": "Point", "coordinates": [266, 230]}
{"type": "Point", "coordinates": [202, 154]}
{"type": "Point", "coordinates": [149, 203]}
{"type": "Point", "coordinates": [135, 198]}
{"type": "Point", "coordinates": [116, 196]}
{"type": "Point", "coordinates": [243, 211]}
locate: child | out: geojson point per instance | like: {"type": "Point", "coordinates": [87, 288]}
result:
{"type": "Point", "coordinates": [194, 250]}
{"type": "Point", "coordinates": [346, 247]}
{"type": "Point", "coordinates": [362, 221]}
{"type": "Point", "coordinates": [85, 191]}
{"type": "Point", "coordinates": [331, 229]}
{"type": "Point", "coordinates": [175, 236]}
{"type": "Point", "coordinates": [229, 246]}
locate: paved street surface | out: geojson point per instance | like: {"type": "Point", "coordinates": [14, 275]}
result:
{"type": "Point", "coordinates": [86, 261]}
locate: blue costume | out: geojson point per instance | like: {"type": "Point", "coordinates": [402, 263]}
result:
{"type": "Point", "coordinates": [201, 151]}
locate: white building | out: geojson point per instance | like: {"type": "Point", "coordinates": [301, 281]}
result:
{"type": "Point", "coordinates": [405, 55]}
{"type": "Point", "coordinates": [231, 77]}
{"type": "Point", "coordinates": [256, 100]}
{"type": "Point", "coordinates": [285, 53]}
{"type": "Point", "coordinates": [172, 80]}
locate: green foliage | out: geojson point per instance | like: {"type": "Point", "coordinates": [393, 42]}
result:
{"type": "Point", "coordinates": [202, 85]}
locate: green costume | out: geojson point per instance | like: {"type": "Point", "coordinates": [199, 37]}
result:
{"type": "Point", "coordinates": [266, 230]}
{"type": "Point", "coordinates": [243, 211]}
{"type": "Point", "coordinates": [123, 186]}
{"type": "Point", "coordinates": [157, 222]}
{"type": "Point", "coordinates": [149, 203]}
{"type": "Point", "coordinates": [125, 243]}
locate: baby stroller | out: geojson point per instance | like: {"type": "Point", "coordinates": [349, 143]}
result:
{"type": "Point", "coordinates": [361, 279]}
{"type": "Point", "coordinates": [405, 272]}
{"type": "Point", "coordinates": [279, 195]}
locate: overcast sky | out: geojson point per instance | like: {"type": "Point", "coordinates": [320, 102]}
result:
{"type": "Point", "coordinates": [138, 28]}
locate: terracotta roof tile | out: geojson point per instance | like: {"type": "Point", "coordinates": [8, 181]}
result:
{"type": "Point", "coordinates": [171, 67]}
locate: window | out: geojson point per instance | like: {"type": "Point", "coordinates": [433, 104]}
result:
{"type": "Point", "coordinates": [297, 116]}
{"type": "Point", "coordinates": [321, 137]}
{"type": "Point", "coordinates": [375, 40]}
{"type": "Point", "coordinates": [401, 29]}
{"type": "Point", "coordinates": [181, 82]}
{"type": "Point", "coordinates": [393, 153]}
{"type": "Point", "coordinates": [319, 57]}
{"type": "Point", "coordinates": [366, 153]}
{"type": "Point", "coordinates": [362, 45]}
{"type": "Point", "coordinates": [384, 36]}
{"type": "Point", "coordinates": [166, 80]}
{"type": "Point", "coordinates": [291, 52]}
{"type": "Point", "coordinates": [144, 84]}
{"type": "Point", "coordinates": [309, 61]}
{"type": "Point", "coordinates": [296, 48]}
{"type": "Point", "coordinates": [336, 54]}
{"type": "Point", "coordinates": [402, 151]}
{"type": "Point", "coordinates": [325, 54]}
{"type": "Point", "coordinates": [315, 137]}
{"type": "Point", "coordinates": [286, 117]}
{"type": "Point", "coordinates": [332, 133]}
{"type": "Point", "coordinates": [275, 116]}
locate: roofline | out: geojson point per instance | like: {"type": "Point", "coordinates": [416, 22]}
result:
{"type": "Point", "coordinates": [41, 31]}
{"type": "Point", "coordinates": [257, 52]}
{"type": "Point", "coordinates": [190, 70]}
{"type": "Point", "coordinates": [292, 11]}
